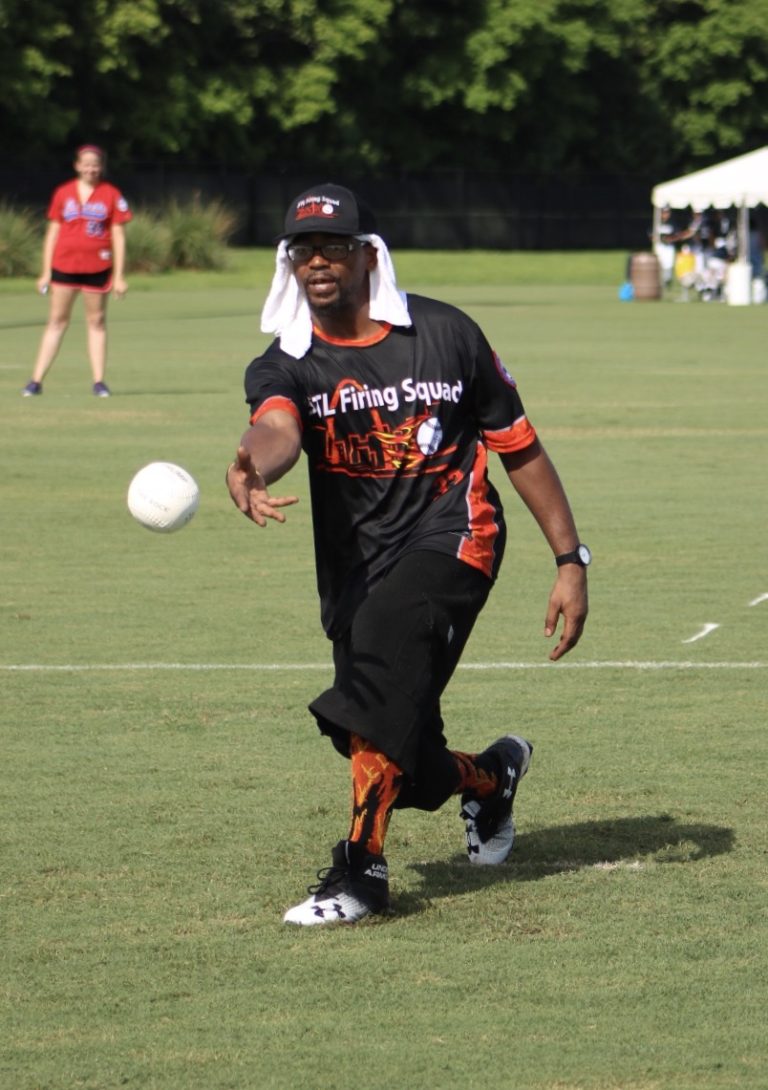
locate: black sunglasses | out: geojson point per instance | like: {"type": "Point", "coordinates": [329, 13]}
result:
{"type": "Point", "coordinates": [331, 251]}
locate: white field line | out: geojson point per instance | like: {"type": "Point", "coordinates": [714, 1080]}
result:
{"type": "Point", "coordinates": [276, 667]}
{"type": "Point", "coordinates": [705, 631]}
{"type": "Point", "coordinates": [760, 598]}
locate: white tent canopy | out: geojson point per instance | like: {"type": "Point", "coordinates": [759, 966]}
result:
{"type": "Point", "coordinates": [741, 183]}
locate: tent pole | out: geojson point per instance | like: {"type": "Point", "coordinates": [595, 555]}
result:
{"type": "Point", "coordinates": [743, 254]}
{"type": "Point", "coordinates": [656, 225]}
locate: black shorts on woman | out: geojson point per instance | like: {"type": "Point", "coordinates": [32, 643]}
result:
{"type": "Point", "coordinates": [393, 664]}
{"type": "Point", "coordinates": [98, 281]}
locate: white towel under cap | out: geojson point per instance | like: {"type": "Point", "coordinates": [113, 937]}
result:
{"type": "Point", "coordinates": [286, 310]}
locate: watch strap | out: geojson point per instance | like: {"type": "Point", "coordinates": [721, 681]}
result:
{"type": "Point", "coordinates": [573, 557]}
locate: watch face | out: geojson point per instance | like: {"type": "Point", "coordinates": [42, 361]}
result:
{"type": "Point", "coordinates": [585, 556]}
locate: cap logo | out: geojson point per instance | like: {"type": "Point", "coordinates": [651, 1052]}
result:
{"type": "Point", "coordinates": [330, 209]}
{"type": "Point", "coordinates": [317, 206]}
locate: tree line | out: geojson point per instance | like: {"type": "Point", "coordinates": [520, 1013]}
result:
{"type": "Point", "coordinates": [537, 86]}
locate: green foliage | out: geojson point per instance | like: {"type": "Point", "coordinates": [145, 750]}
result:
{"type": "Point", "coordinates": [191, 235]}
{"type": "Point", "coordinates": [20, 242]}
{"type": "Point", "coordinates": [353, 85]}
{"type": "Point", "coordinates": [150, 243]}
{"type": "Point", "coordinates": [182, 235]}
{"type": "Point", "coordinates": [711, 67]}
{"type": "Point", "coordinates": [199, 232]}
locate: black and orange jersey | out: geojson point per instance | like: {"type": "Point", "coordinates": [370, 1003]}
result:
{"type": "Point", "coordinates": [396, 430]}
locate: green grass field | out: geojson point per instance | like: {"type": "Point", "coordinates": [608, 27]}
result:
{"type": "Point", "coordinates": [165, 795]}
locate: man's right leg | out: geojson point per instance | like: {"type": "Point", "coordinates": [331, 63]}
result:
{"type": "Point", "coordinates": [487, 798]}
{"type": "Point", "coordinates": [487, 783]}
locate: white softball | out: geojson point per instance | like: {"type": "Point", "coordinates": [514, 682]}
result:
{"type": "Point", "coordinates": [163, 497]}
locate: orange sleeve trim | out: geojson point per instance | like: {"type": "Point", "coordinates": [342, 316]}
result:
{"type": "Point", "coordinates": [282, 404]}
{"type": "Point", "coordinates": [520, 435]}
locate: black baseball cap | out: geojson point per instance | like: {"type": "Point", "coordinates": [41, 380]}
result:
{"type": "Point", "coordinates": [329, 208]}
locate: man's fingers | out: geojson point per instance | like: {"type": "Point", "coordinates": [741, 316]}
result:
{"type": "Point", "coordinates": [570, 636]}
{"type": "Point", "coordinates": [564, 646]}
{"type": "Point", "coordinates": [554, 612]}
{"type": "Point", "coordinates": [243, 460]}
{"type": "Point", "coordinates": [263, 507]}
{"type": "Point", "coordinates": [559, 651]}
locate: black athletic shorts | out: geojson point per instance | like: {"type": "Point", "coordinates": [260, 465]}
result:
{"type": "Point", "coordinates": [100, 281]}
{"type": "Point", "coordinates": [396, 659]}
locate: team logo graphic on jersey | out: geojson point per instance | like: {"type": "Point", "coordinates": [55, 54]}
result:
{"type": "Point", "coordinates": [95, 210]}
{"type": "Point", "coordinates": [504, 372]}
{"type": "Point", "coordinates": [410, 447]}
{"type": "Point", "coordinates": [92, 211]}
{"type": "Point", "coordinates": [429, 436]}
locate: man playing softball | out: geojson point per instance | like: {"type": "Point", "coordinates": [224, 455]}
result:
{"type": "Point", "coordinates": [396, 401]}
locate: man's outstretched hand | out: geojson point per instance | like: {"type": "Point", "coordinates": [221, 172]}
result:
{"type": "Point", "coordinates": [249, 493]}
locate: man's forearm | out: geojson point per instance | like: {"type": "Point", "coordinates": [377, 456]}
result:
{"type": "Point", "coordinates": [274, 446]}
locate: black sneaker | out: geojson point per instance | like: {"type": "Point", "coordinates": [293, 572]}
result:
{"type": "Point", "coordinates": [489, 827]}
{"type": "Point", "coordinates": [32, 389]}
{"type": "Point", "coordinates": [100, 389]}
{"type": "Point", "coordinates": [354, 886]}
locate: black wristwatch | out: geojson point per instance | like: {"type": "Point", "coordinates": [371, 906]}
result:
{"type": "Point", "coordinates": [580, 555]}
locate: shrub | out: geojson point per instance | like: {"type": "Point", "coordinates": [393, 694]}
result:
{"type": "Point", "coordinates": [199, 233]}
{"type": "Point", "coordinates": [20, 242]}
{"type": "Point", "coordinates": [190, 235]}
{"type": "Point", "coordinates": [148, 243]}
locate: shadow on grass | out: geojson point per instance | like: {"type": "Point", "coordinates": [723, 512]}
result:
{"type": "Point", "coordinates": [567, 848]}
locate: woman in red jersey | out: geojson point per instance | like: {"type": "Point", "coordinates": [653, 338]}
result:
{"type": "Point", "coordinates": [83, 251]}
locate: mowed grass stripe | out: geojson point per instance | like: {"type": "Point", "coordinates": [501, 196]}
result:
{"type": "Point", "coordinates": [276, 667]}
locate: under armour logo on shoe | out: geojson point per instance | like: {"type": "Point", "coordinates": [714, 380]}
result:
{"type": "Point", "coordinates": [509, 790]}
{"type": "Point", "coordinates": [377, 870]}
{"type": "Point", "coordinates": [334, 911]}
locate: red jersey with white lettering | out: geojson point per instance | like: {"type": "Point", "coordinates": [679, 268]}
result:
{"type": "Point", "coordinates": [396, 431]}
{"type": "Point", "coordinates": [84, 243]}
